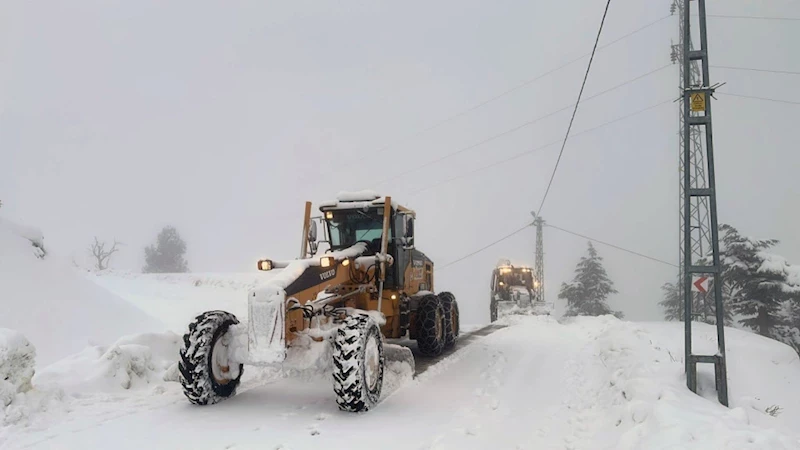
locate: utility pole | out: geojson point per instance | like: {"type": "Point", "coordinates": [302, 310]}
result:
{"type": "Point", "coordinates": [699, 199]}
{"type": "Point", "coordinates": [538, 283]}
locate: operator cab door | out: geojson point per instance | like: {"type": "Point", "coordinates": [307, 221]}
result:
{"type": "Point", "coordinates": [404, 249]}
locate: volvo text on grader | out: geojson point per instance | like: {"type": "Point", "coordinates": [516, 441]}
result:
{"type": "Point", "coordinates": [371, 283]}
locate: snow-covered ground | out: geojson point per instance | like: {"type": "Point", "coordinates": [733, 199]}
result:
{"type": "Point", "coordinates": [582, 383]}
{"type": "Point", "coordinates": [586, 384]}
{"type": "Point", "coordinates": [53, 306]}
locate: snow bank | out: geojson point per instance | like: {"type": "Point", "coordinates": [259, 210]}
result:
{"type": "Point", "coordinates": [132, 362]}
{"type": "Point", "coordinates": [58, 310]}
{"type": "Point", "coordinates": [223, 281]}
{"type": "Point", "coordinates": [642, 393]}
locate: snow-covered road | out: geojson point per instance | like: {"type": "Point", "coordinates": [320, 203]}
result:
{"type": "Point", "coordinates": [593, 383]}
{"type": "Point", "coordinates": [484, 396]}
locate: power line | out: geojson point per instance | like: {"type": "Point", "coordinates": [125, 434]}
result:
{"type": "Point", "coordinates": [541, 147]}
{"type": "Point", "coordinates": [723, 16]}
{"type": "Point", "coordinates": [485, 247]}
{"type": "Point", "coordinates": [611, 245]}
{"type": "Point", "coordinates": [574, 112]}
{"type": "Point", "coordinates": [784, 72]}
{"type": "Point", "coordinates": [517, 128]}
{"type": "Point", "coordinates": [788, 102]}
{"type": "Point", "coordinates": [513, 89]}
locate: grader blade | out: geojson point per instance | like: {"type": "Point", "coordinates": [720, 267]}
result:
{"type": "Point", "coordinates": [393, 353]}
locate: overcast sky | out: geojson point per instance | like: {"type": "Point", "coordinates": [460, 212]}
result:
{"type": "Point", "coordinates": [221, 118]}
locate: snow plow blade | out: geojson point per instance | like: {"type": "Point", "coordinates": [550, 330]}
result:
{"type": "Point", "coordinates": [398, 353]}
{"type": "Point", "coordinates": [266, 332]}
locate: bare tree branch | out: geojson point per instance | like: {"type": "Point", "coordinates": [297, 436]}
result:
{"type": "Point", "coordinates": [101, 255]}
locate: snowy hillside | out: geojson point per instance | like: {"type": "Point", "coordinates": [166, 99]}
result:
{"type": "Point", "coordinates": [56, 308]}
{"type": "Point", "coordinates": [177, 298]}
{"type": "Point", "coordinates": [589, 383]}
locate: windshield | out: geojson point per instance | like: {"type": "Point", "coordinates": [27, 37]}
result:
{"type": "Point", "coordinates": [348, 227]}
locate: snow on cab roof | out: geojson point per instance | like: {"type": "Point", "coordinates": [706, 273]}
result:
{"type": "Point", "coordinates": [508, 263]}
{"type": "Point", "coordinates": [360, 200]}
{"type": "Point", "coordinates": [357, 196]}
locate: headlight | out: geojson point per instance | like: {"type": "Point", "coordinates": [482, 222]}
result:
{"type": "Point", "coordinates": [265, 264]}
{"type": "Point", "coordinates": [346, 262]}
{"type": "Point", "coordinates": [329, 214]}
{"type": "Point", "coordinates": [327, 261]}
{"type": "Point", "coordinates": [502, 284]}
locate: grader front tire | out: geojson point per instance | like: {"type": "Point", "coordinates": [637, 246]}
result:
{"type": "Point", "coordinates": [198, 366]}
{"type": "Point", "coordinates": [358, 364]}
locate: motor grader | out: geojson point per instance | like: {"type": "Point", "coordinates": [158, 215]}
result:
{"type": "Point", "coordinates": [512, 291]}
{"type": "Point", "coordinates": [369, 284]}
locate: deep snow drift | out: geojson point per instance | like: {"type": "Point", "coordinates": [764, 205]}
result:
{"type": "Point", "coordinates": [587, 383]}
{"type": "Point", "coordinates": [56, 308]}
{"type": "Point", "coordinates": [177, 298]}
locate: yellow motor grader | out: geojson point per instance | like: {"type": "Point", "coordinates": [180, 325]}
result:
{"type": "Point", "coordinates": [370, 283]}
{"type": "Point", "coordinates": [513, 292]}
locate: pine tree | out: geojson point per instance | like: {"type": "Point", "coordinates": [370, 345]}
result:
{"type": "Point", "coordinates": [588, 292]}
{"type": "Point", "coordinates": [762, 290]}
{"type": "Point", "coordinates": [166, 256]}
{"type": "Point", "coordinates": [673, 301]}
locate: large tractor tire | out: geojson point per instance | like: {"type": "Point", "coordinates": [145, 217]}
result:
{"type": "Point", "coordinates": [452, 325]}
{"type": "Point", "coordinates": [206, 374]}
{"type": "Point", "coordinates": [493, 309]}
{"type": "Point", "coordinates": [358, 364]}
{"type": "Point", "coordinates": [430, 326]}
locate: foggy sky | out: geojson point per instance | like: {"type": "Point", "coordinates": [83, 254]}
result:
{"type": "Point", "coordinates": [221, 118]}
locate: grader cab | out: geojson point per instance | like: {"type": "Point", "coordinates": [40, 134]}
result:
{"type": "Point", "coordinates": [369, 283]}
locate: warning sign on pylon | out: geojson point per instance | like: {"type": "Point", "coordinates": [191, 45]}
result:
{"type": "Point", "coordinates": [700, 284]}
{"type": "Point", "coordinates": [698, 101]}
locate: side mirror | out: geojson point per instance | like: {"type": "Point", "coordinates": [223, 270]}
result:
{"type": "Point", "coordinates": [408, 235]}
{"type": "Point", "coordinates": [312, 232]}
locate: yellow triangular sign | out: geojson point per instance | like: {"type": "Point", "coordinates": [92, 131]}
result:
{"type": "Point", "coordinates": [698, 102]}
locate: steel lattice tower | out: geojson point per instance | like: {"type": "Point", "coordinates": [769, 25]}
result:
{"type": "Point", "coordinates": [539, 279]}
{"type": "Point", "coordinates": [698, 209]}
{"type": "Point", "coordinates": [699, 224]}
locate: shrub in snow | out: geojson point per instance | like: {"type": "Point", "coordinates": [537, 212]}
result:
{"type": "Point", "coordinates": [166, 256]}
{"type": "Point", "coordinates": [32, 234]}
{"type": "Point", "coordinates": [588, 292]}
{"type": "Point", "coordinates": [17, 362]}
{"type": "Point", "coordinates": [18, 399]}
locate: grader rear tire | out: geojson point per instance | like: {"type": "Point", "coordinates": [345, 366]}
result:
{"type": "Point", "coordinates": [430, 326]}
{"type": "Point", "coordinates": [452, 325]}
